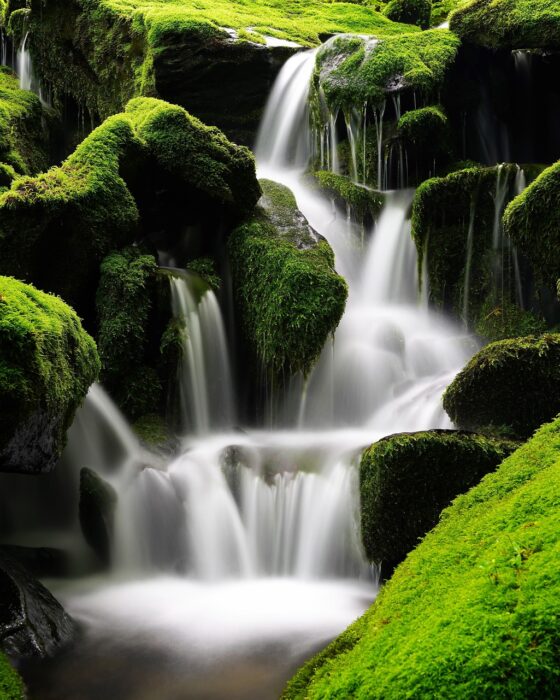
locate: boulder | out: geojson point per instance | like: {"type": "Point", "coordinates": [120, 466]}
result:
{"type": "Point", "coordinates": [98, 501]}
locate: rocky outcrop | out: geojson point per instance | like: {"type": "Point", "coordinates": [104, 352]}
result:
{"type": "Point", "coordinates": [98, 501]}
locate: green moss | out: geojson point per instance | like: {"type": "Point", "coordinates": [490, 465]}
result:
{"type": "Point", "coordinates": [11, 685]}
{"type": "Point", "coordinates": [124, 304]}
{"type": "Point", "coordinates": [206, 268]}
{"type": "Point", "coordinates": [416, 12]}
{"type": "Point", "coordinates": [289, 296]}
{"type": "Point", "coordinates": [152, 430]}
{"type": "Point", "coordinates": [22, 134]}
{"type": "Point", "coordinates": [425, 129]}
{"type": "Point", "coordinates": [474, 610]}
{"type": "Point", "coordinates": [509, 24]}
{"type": "Point", "coordinates": [514, 384]}
{"type": "Point", "coordinates": [532, 221]}
{"type": "Point", "coordinates": [352, 71]}
{"type": "Point", "coordinates": [364, 203]}
{"type": "Point", "coordinates": [406, 481]}
{"type": "Point", "coordinates": [506, 320]}
{"type": "Point", "coordinates": [47, 363]}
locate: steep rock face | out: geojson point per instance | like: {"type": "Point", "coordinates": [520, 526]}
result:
{"type": "Point", "coordinates": [32, 621]}
{"type": "Point", "coordinates": [512, 385]}
{"type": "Point", "coordinates": [474, 610]}
{"type": "Point", "coordinates": [406, 480]}
{"type": "Point", "coordinates": [288, 295]}
{"type": "Point", "coordinates": [47, 363]}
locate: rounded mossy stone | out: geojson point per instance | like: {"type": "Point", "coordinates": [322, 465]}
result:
{"type": "Point", "coordinates": [47, 364]}
{"type": "Point", "coordinates": [425, 129]}
{"type": "Point", "coordinates": [353, 70]}
{"type": "Point", "coordinates": [532, 221]}
{"type": "Point", "coordinates": [416, 12]}
{"type": "Point", "coordinates": [363, 203]}
{"type": "Point", "coordinates": [11, 684]}
{"type": "Point", "coordinates": [510, 385]}
{"type": "Point", "coordinates": [474, 611]}
{"type": "Point", "coordinates": [407, 479]}
{"type": "Point", "coordinates": [289, 297]}
{"type": "Point", "coordinates": [509, 24]}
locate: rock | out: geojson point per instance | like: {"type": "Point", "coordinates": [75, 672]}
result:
{"type": "Point", "coordinates": [32, 622]}
{"type": "Point", "coordinates": [47, 364]}
{"type": "Point", "coordinates": [406, 480]}
{"type": "Point", "coordinates": [98, 501]}
{"type": "Point", "coordinates": [512, 386]}
{"type": "Point", "coordinates": [417, 12]}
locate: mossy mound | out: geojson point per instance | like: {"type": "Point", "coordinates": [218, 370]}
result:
{"type": "Point", "coordinates": [425, 130]}
{"type": "Point", "coordinates": [509, 24]}
{"type": "Point", "coordinates": [406, 480]}
{"type": "Point", "coordinates": [289, 296]}
{"type": "Point", "coordinates": [353, 70]}
{"type": "Point", "coordinates": [474, 610]}
{"type": "Point", "coordinates": [22, 132]}
{"type": "Point", "coordinates": [417, 12]}
{"type": "Point", "coordinates": [150, 168]}
{"type": "Point", "coordinates": [511, 385]}
{"type": "Point", "coordinates": [363, 203]}
{"type": "Point", "coordinates": [11, 685]}
{"type": "Point", "coordinates": [47, 363]}
{"type": "Point", "coordinates": [532, 221]}
{"type": "Point", "coordinates": [470, 263]}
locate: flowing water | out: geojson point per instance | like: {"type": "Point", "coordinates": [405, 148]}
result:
{"type": "Point", "coordinates": [240, 556]}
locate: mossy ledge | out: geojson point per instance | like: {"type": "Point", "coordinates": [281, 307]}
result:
{"type": "Point", "coordinates": [47, 363]}
{"type": "Point", "coordinates": [11, 685]}
{"type": "Point", "coordinates": [362, 203]}
{"type": "Point", "coordinates": [407, 479]}
{"type": "Point", "coordinates": [511, 385]}
{"type": "Point", "coordinates": [474, 610]}
{"type": "Point", "coordinates": [289, 297]}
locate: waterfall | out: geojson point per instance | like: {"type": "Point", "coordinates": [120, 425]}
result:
{"type": "Point", "coordinates": [24, 65]}
{"type": "Point", "coordinates": [205, 385]}
{"type": "Point", "coordinates": [468, 264]}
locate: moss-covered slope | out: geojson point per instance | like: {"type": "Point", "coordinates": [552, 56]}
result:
{"type": "Point", "coordinates": [512, 385]}
{"type": "Point", "coordinates": [47, 363]}
{"type": "Point", "coordinates": [289, 296]}
{"type": "Point", "coordinates": [474, 611]}
{"type": "Point", "coordinates": [11, 685]}
{"type": "Point", "coordinates": [532, 221]}
{"type": "Point", "coordinates": [509, 24]}
{"type": "Point", "coordinates": [406, 480]}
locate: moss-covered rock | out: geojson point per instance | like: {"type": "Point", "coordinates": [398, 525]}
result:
{"type": "Point", "coordinates": [150, 169]}
{"type": "Point", "coordinates": [406, 480]}
{"type": "Point", "coordinates": [509, 24]}
{"type": "Point", "coordinates": [11, 685]}
{"type": "Point", "coordinates": [426, 130]}
{"type": "Point", "coordinates": [512, 385]}
{"type": "Point", "coordinates": [98, 501]}
{"type": "Point", "coordinates": [416, 12]}
{"type": "Point", "coordinates": [289, 296]}
{"type": "Point", "coordinates": [362, 203]}
{"type": "Point", "coordinates": [474, 610]}
{"type": "Point", "coordinates": [532, 221]}
{"type": "Point", "coordinates": [47, 363]}
{"type": "Point", "coordinates": [23, 136]}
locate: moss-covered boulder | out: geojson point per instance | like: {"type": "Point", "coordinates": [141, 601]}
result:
{"type": "Point", "coordinates": [23, 136]}
{"type": "Point", "coordinates": [417, 12]}
{"type": "Point", "coordinates": [98, 501]}
{"type": "Point", "coordinates": [472, 267]}
{"type": "Point", "coordinates": [511, 385]}
{"type": "Point", "coordinates": [11, 685]}
{"type": "Point", "coordinates": [532, 221]}
{"type": "Point", "coordinates": [201, 55]}
{"type": "Point", "coordinates": [289, 297]}
{"type": "Point", "coordinates": [362, 203]}
{"type": "Point", "coordinates": [152, 170]}
{"type": "Point", "coordinates": [509, 24]}
{"type": "Point", "coordinates": [474, 610]}
{"type": "Point", "coordinates": [47, 363]}
{"type": "Point", "coordinates": [406, 480]}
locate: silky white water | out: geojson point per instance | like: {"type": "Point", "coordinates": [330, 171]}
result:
{"type": "Point", "coordinates": [247, 540]}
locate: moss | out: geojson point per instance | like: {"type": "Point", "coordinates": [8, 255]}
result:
{"type": "Point", "coordinates": [513, 384]}
{"type": "Point", "coordinates": [406, 480]}
{"type": "Point", "coordinates": [352, 71]}
{"type": "Point", "coordinates": [124, 304]}
{"type": "Point", "coordinates": [425, 129]}
{"type": "Point", "coordinates": [289, 296]}
{"type": "Point", "coordinates": [447, 212]}
{"type": "Point", "coordinates": [206, 268]}
{"type": "Point", "coordinates": [509, 24]}
{"type": "Point", "coordinates": [47, 363]}
{"type": "Point", "coordinates": [22, 134]}
{"type": "Point", "coordinates": [416, 12]}
{"type": "Point", "coordinates": [11, 685]}
{"type": "Point", "coordinates": [532, 221]}
{"type": "Point", "coordinates": [506, 320]}
{"type": "Point", "coordinates": [364, 203]}
{"type": "Point", "coordinates": [474, 610]}
{"type": "Point", "coordinates": [152, 430]}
